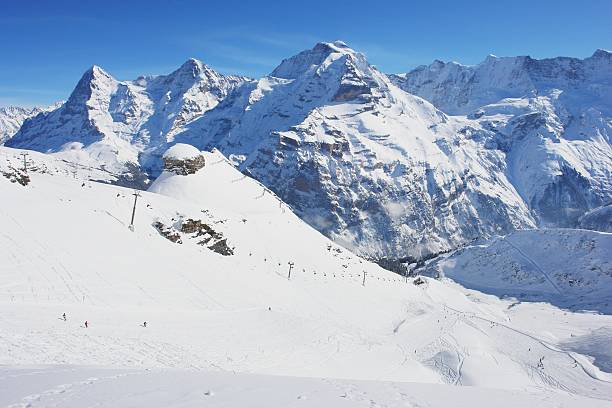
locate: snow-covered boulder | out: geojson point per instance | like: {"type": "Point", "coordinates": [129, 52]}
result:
{"type": "Point", "coordinates": [183, 159]}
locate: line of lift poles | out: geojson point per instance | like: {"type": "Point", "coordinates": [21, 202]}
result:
{"type": "Point", "coordinates": [291, 264]}
{"type": "Point", "coordinates": [136, 194]}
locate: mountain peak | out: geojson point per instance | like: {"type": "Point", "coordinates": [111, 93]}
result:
{"type": "Point", "coordinates": [91, 78]}
{"type": "Point", "coordinates": [192, 69]}
{"type": "Point", "coordinates": [95, 71]}
{"type": "Point", "coordinates": [192, 63]}
{"type": "Point", "coordinates": [437, 64]}
{"type": "Point", "coordinates": [295, 66]}
{"type": "Point", "coordinates": [334, 46]}
{"type": "Point", "coordinates": [601, 53]}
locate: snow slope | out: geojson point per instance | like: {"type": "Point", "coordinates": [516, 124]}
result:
{"type": "Point", "coordinates": [77, 387]}
{"type": "Point", "coordinates": [599, 219]}
{"type": "Point", "coordinates": [65, 247]}
{"type": "Point", "coordinates": [568, 268]}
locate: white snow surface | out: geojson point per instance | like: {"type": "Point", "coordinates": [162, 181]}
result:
{"type": "Point", "coordinates": [181, 151]}
{"type": "Point", "coordinates": [75, 387]}
{"type": "Point", "coordinates": [234, 330]}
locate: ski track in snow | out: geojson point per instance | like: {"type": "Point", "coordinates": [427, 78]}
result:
{"type": "Point", "coordinates": [535, 265]}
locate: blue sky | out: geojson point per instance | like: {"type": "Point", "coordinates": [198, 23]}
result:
{"type": "Point", "coordinates": [46, 45]}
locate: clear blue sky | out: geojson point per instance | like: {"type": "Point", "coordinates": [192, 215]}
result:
{"type": "Point", "coordinates": [46, 45]}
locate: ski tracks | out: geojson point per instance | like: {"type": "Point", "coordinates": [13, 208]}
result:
{"type": "Point", "coordinates": [54, 396]}
{"type": "Point", "coordinates": [535, 265]}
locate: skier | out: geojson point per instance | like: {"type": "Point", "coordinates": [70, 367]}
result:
{"type": "Point", "coordinates": [64, 316]}
{"type": "Point", "coordinates": [86, 324]}
{"type": "Point", "coordinates": [144, 324]}
{"type": "Point", "coordinates": [541, 363]}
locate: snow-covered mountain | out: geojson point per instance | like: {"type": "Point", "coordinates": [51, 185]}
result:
{"type": "Point", "coordinates": [552, 118]}
{"type": "Point", "coordinates": [12, 117]}
{"type": "Point", "coordinates": [115, 121]}
{"type": "Point", "coordinates": [226, 321]}
{"type": "Point", "coordinates": [462, 89]}
{"type": "Point", "coordinates": [384, 172]}
{"type": "Point", "coordinates": [371, 166]}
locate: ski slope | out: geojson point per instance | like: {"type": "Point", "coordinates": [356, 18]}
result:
{"type": "Point", "coordinates": [235, 325]}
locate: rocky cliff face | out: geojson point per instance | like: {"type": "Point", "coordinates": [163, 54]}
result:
{"type": "Point", "coordinates": [460, 89]}
{"type": "Point", "coordinates": [183, 159]}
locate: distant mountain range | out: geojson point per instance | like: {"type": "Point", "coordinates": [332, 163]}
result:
{"type": "Point", "coordinates": [12, 117]}
{"type": "Point", "coordinates": [392, 166]}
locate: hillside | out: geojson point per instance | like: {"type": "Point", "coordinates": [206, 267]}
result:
{"type": "Point", "coordinates": [218, 313]}
{"type": "Point", "coordinates": [568, 268]}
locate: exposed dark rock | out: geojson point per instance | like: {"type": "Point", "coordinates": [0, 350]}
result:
{"type": "Point", "coordinates": [185, 166]}
{"type": "Point", "coordinates": [221, 247]}
{"type": "Point", "coordinates": [168, 232]}
{"type": "Point", "coordinates": [210, 238]}
{"type": "Point", "coordinates": [17, 176]}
